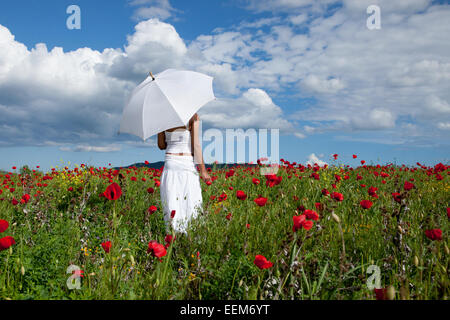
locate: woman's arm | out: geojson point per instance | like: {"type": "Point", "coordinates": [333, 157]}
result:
{"type": "Point", "coordinates": [197, 148]}
{"type": "Point", "coordinates": [162, 141]}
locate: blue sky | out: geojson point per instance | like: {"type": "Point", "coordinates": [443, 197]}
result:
{"type": "Point", "coordinates": [310, 68]}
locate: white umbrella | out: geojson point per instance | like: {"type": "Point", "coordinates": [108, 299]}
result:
{"type": "Point", "coordinates": [167, 100]}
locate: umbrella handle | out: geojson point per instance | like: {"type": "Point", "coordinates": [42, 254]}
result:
{"type": "Point", "coordinates": [151, 75]}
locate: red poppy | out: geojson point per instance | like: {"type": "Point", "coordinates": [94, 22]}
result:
{"type": "Point", "coordinates": [255, 181]}
{"type": "Point", "coordinates": [325, 192]}
{"type": "Point", "coordinates": [150, 190]}
{"type": "Point", "coordinates": [362, 161]}
{"type": "Point", "coordinates": [156, 249]}
{"type": "Point", "coordinates": [355, 156]}
{"type": "Point", "coordinates": [223, 197]}
{"type": "Point", "coordinates": [434, 234]}
{"type": "Point", "coordinates": [6, 242]}
{"type": "Point", "coordinates": [335, 156]}
{"type": "Point", "coordinates": [380, 294]}
{"type": "Point", "coordinates": [172, 213]}
{"type": "Point", "coordinates": [337, 196]}
{"type": "Point", "coordinates": [25, 198]}
{"type": "Point", "coordinates": [247, 226]}
{"type": "Point", "coordinates": [228, 217]}
{"type": "Point", "coordinates": [106, 246]}
{"type": "Point", "coordinates": [241, 195]}
{"type": "Point", "coordinates": [448, 213]}
{"type": "Point", "coordinates": [14, 202]}
{"type": "Point", "coordinates": [366, 204]}
{"type": "Point", "coordinates": [229, 173]}
{"type": "Point", "coordinates": [373, 191]}
{"type": "Point", "coordinates": [3, 225]}
{"type": "Point", "coordinates": [301, 222]}
{"type": "Point", "coordinates": [262, 262]}
{"type": "Point", "coordinates": [397, 197]}
{"type": "Point", "coordinates": [113, 192]}
{"type": "Point", "coordinates": [168, 240]}
{"type": "Point", "coordinates": [260, 201]}
{"type": "Point", "coordinates": [311, 214]}
{"type": "Point", "coordinates": [70, 189]}
{"type": "Point", "coordinates": [408, 186]}
{"type": "Point", "coordinates": [152, 209]}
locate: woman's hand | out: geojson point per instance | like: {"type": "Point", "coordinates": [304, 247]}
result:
{"type": "Point", "coordinates": [205, 176]}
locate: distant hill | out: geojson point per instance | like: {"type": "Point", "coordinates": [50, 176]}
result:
{"type": "Point", "coordinates": [160, 164]}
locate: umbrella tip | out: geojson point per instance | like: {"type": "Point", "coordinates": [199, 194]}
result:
{"type": "Point", "coordinates": [151, 75]}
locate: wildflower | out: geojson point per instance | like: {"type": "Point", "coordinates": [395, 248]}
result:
{"type": "Point", "coordinates": [223, 197]}
{"type": "Point", "coordinates": [397, 197]}
{"type": "Point", "coordinates": [260, 201]}
{"type": "Point", "coordinates": [25, 198]}
{"type": "Point", "coordinates": [366, 204]}
{"type": "Point", "coordinates": [113, 192]}
{"type": "Point", "coordinates": [172, 214]}
{"type": "Point", "coordinates": [255, 181]}
{"type": "Point", "coordinates": [311, 214]}
{"type": "Point", "coordinates": [301, 222]}
{"type": "Point", "coordinates": [152, 209]}
{"type": "Point", "coordinates": [168, 240]}
{"type": "Point", "coordinates": [261, 262]}
{"type": "Point", "coordinates": [380, 294]}
{"type": "Point", "coordinates": [241, 195]}
{"type": "Point", "coordinates": [3, 225]}
{"type": "Point", "coordinates": [106, 246]}
{"type": "Point", "coordinates": [337, 196]}
{"type": "Point", "coordinates": [6, 242]}
{"type": "Point", "coordinates": [408, 186]}
{"type": "Point", "coordinates": [150, 190]}
{"type": "Point", "coordinates": [156, 249]}
{"type": "Point", "coordinates": [373, 191]}
{"type": "Point", "coordinates": [434, 234]}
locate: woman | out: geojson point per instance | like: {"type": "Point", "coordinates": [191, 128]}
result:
{"type": "Point", "coordinates": [180, 190]}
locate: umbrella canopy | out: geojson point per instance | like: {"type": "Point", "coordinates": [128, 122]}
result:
{"type": "Point", "coordinates": [167, 100]}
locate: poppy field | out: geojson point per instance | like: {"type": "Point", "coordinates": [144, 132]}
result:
{"type": "Point", "coordinates": [306, 232]}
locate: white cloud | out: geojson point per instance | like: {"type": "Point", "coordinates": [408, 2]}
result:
{"type": "Point", "coordinates": [147, 9]}
{"type": "Point", "coordinates": [444, 125]}
{"type": "Point", "coordinates": [286, 5]}
{"type": "Point", "coordinates": [299, 135]}
{"type": "Point", "coordinates": [314, 84]}
{"type": "Point", "coordinates": [312, 159]}
{"type": "Point", "coordinates": [254, 109]}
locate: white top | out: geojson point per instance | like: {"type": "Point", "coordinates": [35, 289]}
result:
{"type": "Point", "coordinates": [178, 141]}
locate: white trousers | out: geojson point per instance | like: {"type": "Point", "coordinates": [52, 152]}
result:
{"type": "Point", "coordinates": [180, 191]}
